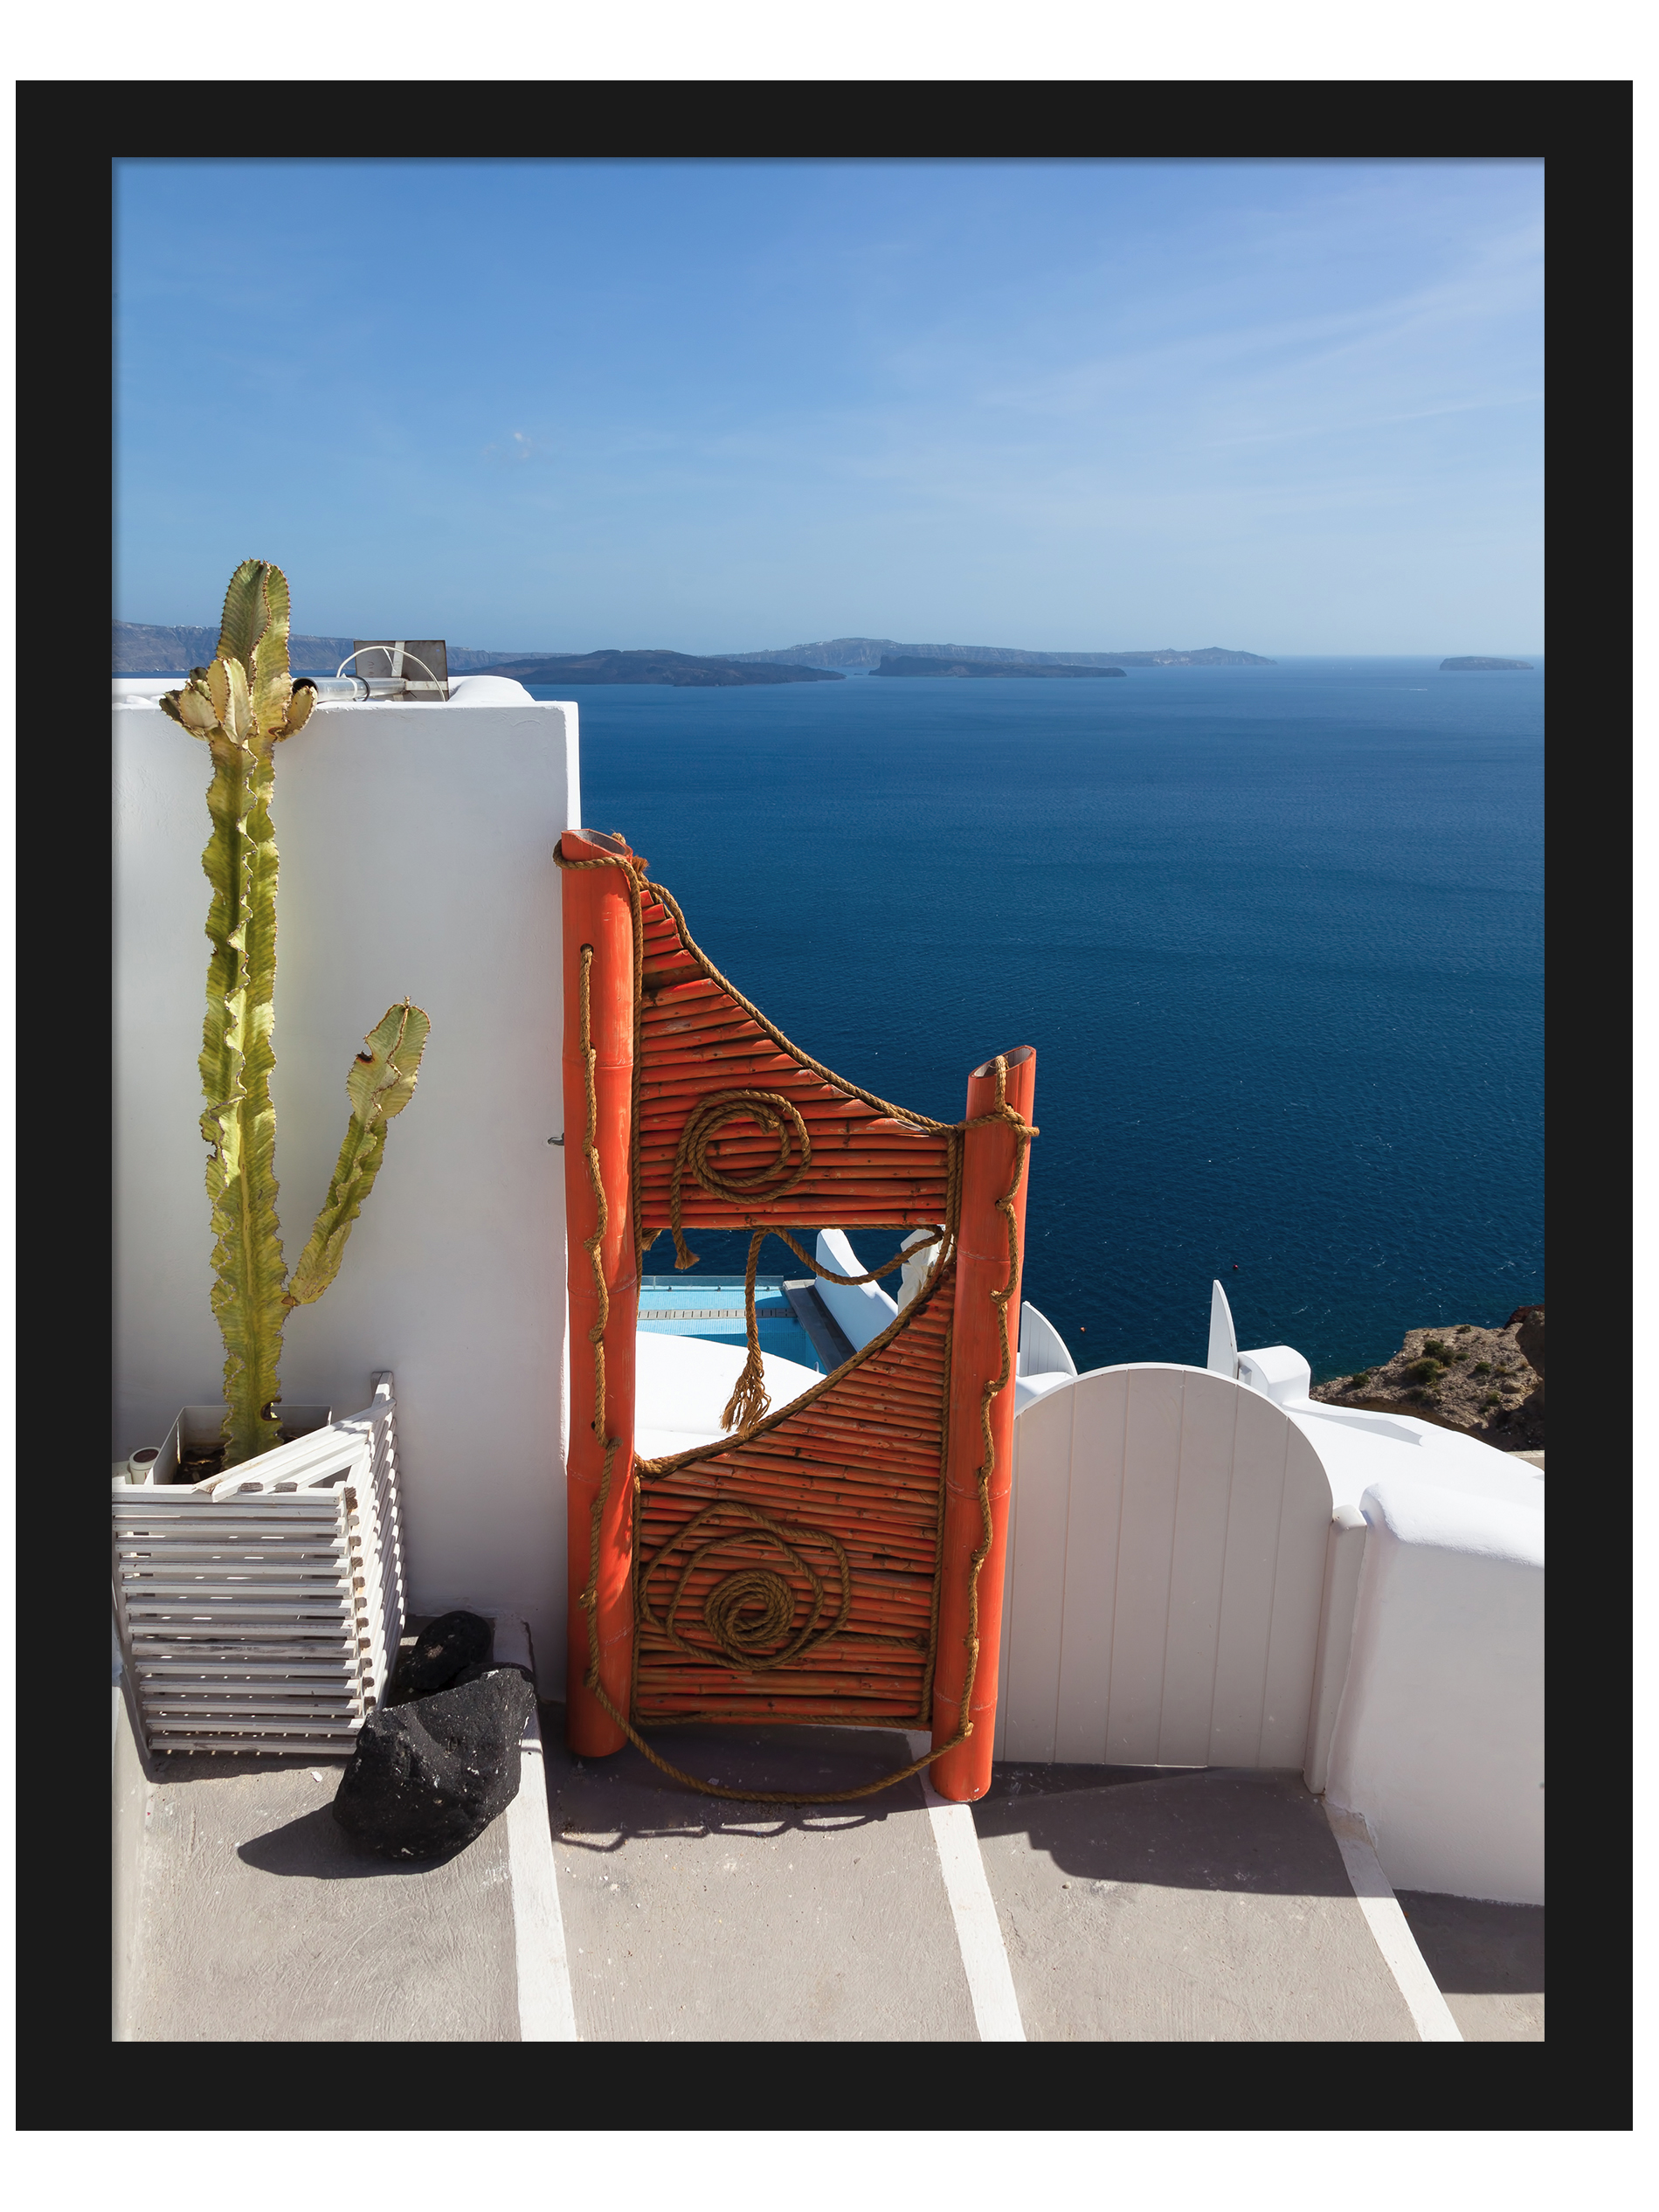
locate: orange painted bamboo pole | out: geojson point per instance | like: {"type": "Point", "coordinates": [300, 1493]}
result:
{"type": "Point", "coordinates": [988, 1157]}
{"type": "Point", "coordinates": [597, 913]}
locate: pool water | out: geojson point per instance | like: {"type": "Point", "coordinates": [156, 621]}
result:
{"type": "Point", "coordinates": [711, 1306]}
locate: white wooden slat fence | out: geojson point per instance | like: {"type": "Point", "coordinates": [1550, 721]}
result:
{"type": "Point", "coordinates": [262, 1610]}
{"type": "Point", "coordinates": [1166, 1557]}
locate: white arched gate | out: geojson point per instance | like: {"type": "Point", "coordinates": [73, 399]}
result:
{"type": "Point", "coordinates": [1167, 1566]}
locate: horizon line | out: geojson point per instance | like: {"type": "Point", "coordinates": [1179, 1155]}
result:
{"type": "Point", "coordinates": [549, 653]}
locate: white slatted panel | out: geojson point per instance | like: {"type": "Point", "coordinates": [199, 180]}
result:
{"type": "Point", "coordinates": [1146, 1545]}
{"type": "Point", "coordinates": [1252, 1558]}
{"type": "Point", "coordinates": [1030, 1663]}
{"type": "Point", "coordinates": [265, 1619]}
{"type": "Point", "coordinates": [1088, 1574]}
{"type": "Point", "coordinates": [1208, 1425]}
{"type": "Point", "coordinates": [1166, 1557]}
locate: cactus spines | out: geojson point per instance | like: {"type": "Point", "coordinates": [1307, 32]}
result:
{"type": "Point", "coordinates": [242, 706]}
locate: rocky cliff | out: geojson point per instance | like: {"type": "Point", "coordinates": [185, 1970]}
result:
{"type": "Point", "coordinates": [1487, 1382]}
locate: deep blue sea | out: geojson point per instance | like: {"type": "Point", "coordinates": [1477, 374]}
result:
{"type": "Point", "coordinates": [1276, 933]}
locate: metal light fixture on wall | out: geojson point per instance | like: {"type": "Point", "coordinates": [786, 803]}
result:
{"type": "Point", "coordinates": [389, 668]}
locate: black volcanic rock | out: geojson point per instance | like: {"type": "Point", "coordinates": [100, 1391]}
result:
{"type": "Point", "coordinates": [657, 666]}
{"type": "Point", "coordinates": [428, 1777]}
{"type": "Point", "coordinates": [908, 665]}
{"type": "Point", "coordinates": [441, 1653]}
{"type": "Point", "coordinates": [1473, 663]}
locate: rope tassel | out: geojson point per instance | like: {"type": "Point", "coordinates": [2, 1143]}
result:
{"type": "Point", "coordinates": [751, 1400]}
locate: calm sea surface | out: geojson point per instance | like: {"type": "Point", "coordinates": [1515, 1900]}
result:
{"type": "Point", "coordinates": [1276, 933]}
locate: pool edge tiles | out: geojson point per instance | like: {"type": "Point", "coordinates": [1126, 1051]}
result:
{"type": "Point", "coordinates": [710, 1308]}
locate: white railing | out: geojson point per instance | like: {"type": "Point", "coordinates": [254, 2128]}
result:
{"type": "Point", "coordinates": [861, 1312]}
{"type": "Point", "coordinates": [1042, 1348]}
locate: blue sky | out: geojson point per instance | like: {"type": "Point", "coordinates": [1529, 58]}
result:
{"type": "Point", "coordinates": [1294, 407]}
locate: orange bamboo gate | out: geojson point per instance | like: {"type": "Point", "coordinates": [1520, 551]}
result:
{"type": "Point", "coordinates": [840, 1559]}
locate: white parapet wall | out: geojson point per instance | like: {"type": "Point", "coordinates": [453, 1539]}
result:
{"type": "Point", "coordinates": [1205, 1571]}
{"type": "Point", "coordinates": [416, 845]}
{"type": "Point", "coordinates": [1439, 1743]}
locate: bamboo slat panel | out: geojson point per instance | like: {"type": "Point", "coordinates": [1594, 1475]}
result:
{"type": "Point", "coordinates": [859, 1468]}
{"type": "Point", "coordinates": [866, 1168]}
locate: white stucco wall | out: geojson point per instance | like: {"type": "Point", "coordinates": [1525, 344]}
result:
{"type": "Point", "coordinates": [415, 847]}
{"type": "Point", "coordinates": [1439, 1741]}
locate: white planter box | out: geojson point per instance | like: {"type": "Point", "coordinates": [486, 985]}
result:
{"type": "Point", "coordinates": [199, 1427]}
{"type": "Point", "coordinates": [261, 1610]}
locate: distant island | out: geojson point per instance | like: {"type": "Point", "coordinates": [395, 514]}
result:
{"type": "Point", "coordinates": [868, 653]}
{"type": "Point", "coordinates": [150, 648]}
{"type": "Point", "coordinates": [910, 664]}
{"type": "Point", "coordinates": [654, 666]}
{"type": "Point", "coordinates": [1477, 662]}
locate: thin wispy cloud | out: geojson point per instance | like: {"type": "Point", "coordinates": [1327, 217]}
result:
{"type": "Point", "coordinates": [731, 405]}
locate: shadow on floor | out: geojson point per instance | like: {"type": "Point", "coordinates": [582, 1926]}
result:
{"type": "Point", "coordinates": [1205, 1828]}
{"type": "Point", "coordinates": [624, 1797]}
{"type": "Point", "coordinates": [316, 1847]}
{"type": "Point", "coordinates": [1477, 1949]}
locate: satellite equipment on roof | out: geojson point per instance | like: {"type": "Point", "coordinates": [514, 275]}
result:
{"type": "Point", "coordinates": [401, 668]}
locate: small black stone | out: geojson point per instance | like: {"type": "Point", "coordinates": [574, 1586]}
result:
{"type": "Point", "coordinates": [444, 1650]}
{"type": "Point", "coordinates": [427, 1777]}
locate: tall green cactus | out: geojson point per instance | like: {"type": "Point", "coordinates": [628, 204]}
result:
{"type": "Point", "coordinates": [242, 706]}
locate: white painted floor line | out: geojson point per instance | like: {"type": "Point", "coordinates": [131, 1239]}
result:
{"type": "Point", "coordinates": [1392, 1933]}
{"type": "Point", "coordinates": [546, 2010]}
{"type": "Point", "coordinates": [985, 1959]}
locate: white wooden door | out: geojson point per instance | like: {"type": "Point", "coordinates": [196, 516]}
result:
{"type": "Point", "coordinates": [1167, 1554]}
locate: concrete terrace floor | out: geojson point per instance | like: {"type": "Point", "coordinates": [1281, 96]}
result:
{"type": "Point", "coordinates": [1129, 1905]}
{"type": "Point", "coordinates": [1133, 1906]}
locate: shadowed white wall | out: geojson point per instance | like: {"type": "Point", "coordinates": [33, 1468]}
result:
{"type": "Point", "coordinates": [1438, 1743]}
{"type": "Point", "coordinates": [1201, 1573]}
{"type": "Point", "coordinates": [415, 846]}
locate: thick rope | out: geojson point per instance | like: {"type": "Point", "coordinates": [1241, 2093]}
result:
{"type": "Point", "coordinates": [671, 1464]}
{"type": "Point", "coordinates": [730, 1610]}
{"type": "Point", "coordinates": [768, 1111]}
{"type": "Point", "coordinates": [751, 1400]}
{"type": "Point", "coordinates": [589, 1597]}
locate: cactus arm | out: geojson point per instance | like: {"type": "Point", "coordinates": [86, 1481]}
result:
{"type": "Point", "coordinates": [381, 1084]}
{"type": "Point", "coordinates": [269, 682]}
{"type": "Point", "coordinates": [244, 616]}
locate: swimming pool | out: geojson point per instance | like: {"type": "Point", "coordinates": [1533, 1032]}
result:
{"type": "Point", "coordinates": [711, 1306]}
